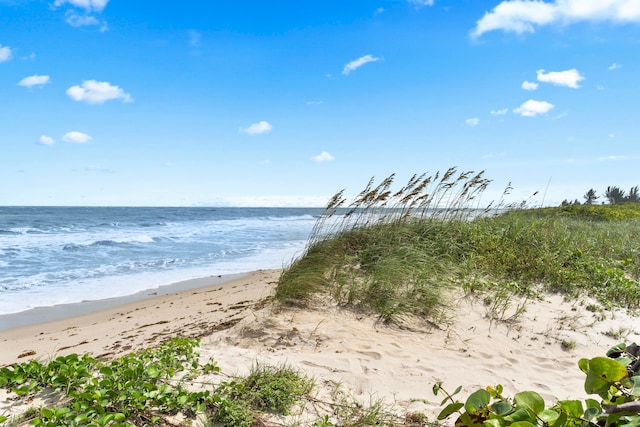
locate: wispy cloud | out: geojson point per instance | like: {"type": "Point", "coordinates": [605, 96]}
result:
{"type": "Point", "coordinates": [523, 16]}
{"type": "Point", "coordinates": [94, 92]}
{"type": "Point", "coordinates": [568, 78]}
{"type": "Point", "coordinates": [532, 108]}
{"type": "Point", "coordinates": [76, 137]}
{"type": "Point", "coordinates": [257, 128]}
{"type": "Point", "coordinates": [529, 85]}
{"type": "Point", "coordinates": [500, 112]}
{"type": "Point", "coordinates": [474, 121]}
{"type": "Point", "coordinates": [610, 158]}
{"type": "Point", "coordinates": [323, 157]}
{"type": "Point", "coordinates": [357, 63]}
{"type": "Point", "coordinates": [421, 3]}
{"type": "Point", "coordinates": [5, 53]}
{"type": "Point", "coordinates": [81, 21]}
{"type": "Point", "coordinates": [88, 5]}
{"type": "Point", "coordinates": [34, 80]}
{"type": "Point", "coordinates": [46, 140]}
{"type": "Point", "coordinates": [614, 67]}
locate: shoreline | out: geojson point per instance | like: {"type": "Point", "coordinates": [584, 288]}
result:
{"type": "Point", "coordinates": [114, 326]}
{"type": "Point", "coordinates": [46, 314]}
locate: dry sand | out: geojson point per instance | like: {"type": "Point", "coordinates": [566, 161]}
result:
{"type": "Point", "coordinates": [370, 360]}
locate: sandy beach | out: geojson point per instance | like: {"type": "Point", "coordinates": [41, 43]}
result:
{"type": "Point", "coordinates": [539, 350]}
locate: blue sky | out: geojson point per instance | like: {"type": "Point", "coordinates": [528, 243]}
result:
{"type": "Point", "coordinates": [283, 103]}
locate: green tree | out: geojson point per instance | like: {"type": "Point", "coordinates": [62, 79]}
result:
{"type": "Point", "coordinates": [590, 197]}
{"type": "Point", "coordinates": [634, 194]}
{"type": "Point", "coordinates": [615, 194]}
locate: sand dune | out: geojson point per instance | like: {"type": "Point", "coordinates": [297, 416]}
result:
{"type": "Point", "coordinates": [370, 360]}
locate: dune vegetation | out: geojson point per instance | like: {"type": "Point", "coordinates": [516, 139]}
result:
{"type": "Point", "coordinates": [403, 252]}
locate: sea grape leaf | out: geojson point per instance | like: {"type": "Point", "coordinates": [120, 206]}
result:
{"type": "Point", "coordinates": [634, 386]}
{"type": "Point", "coordinates": [493, 422]}
{"type": "Point", "coordinates": [561, 421]}
{"type": "Point", "coordinates": [518, 415]}
{"type": "Point", "coordinates": [529, 400]}
{"type": "Point", "coordinates": [616, 350]}
{"type": "Point", "coordinates": [601, 373]}
{"type": "Point", "coordinates": [477, 400]}
{"type": "Point", "coordinates": [450, 409]}
{"type": "Point", "coordinates": [624, 361]}
{"type": "Point", "coordinates": [549, 416]}
{"type": "Point", "coordinates": [501, 407]}
{"type": "Point", "coordinates": [583, 364]}
{"type": "Point", "coordinates": [591, 413]}
{"type": "Point", "coordinates": [572, 407]}
{"type": "Point", "coordinates": [593, 404]}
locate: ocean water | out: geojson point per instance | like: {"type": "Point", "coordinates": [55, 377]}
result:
{"type": "Point", "coordinates": [60, 255]}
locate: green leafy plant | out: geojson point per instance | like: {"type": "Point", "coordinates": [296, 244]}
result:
{"type": "Point", "coordinates": [615, 379]}
{"type": "Point", "coordinates": [138, 388]}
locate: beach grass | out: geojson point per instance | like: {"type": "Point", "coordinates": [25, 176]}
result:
{"type": "Point", "coordinates": [404, 252]}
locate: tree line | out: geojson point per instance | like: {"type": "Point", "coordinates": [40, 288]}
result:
{"type": "Point", "coordinates": [612, 195]}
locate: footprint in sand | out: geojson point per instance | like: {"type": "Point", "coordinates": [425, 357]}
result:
{"type": "Point", "coordinates": [372, 354]}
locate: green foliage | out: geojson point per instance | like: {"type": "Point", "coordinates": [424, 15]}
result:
{"type": "Point", "coordinates": [615, 379]}
{"type": "Point", "coordinates": [275, 389]}
{"type": "Point", "coordinates": [395, 253]}
{"type": "Point", "coordinates": [134, 389]}
{"type": "Point", "coordinates": [614, 212]}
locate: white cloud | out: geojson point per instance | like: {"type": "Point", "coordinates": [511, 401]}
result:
{"type": "Point", "coordinates": [94, 92]}
{"type": "Point", "coordinates": [323, 157]}
{"type": "Point", "coordinates": [523, 16]}
{"type": "Point", "coordinates": [529, 85]}
{"type": "Point", "coordinates": [257, 128]}
{"type": "Point", "coordinates": [610, 158]}
{"type": "Point", "coordinates": [568, 78]}
{"type": "Point", "coordinates": [5, 53]}
{"type": "Point", "coordinates": [46, 140]}
{"type": "Point", "coordinates": [500, 112]}
{"type": "Point", "coordinates": [357, 63]}
{"type": "Point", "coordinates": [532, 108]}
{"type": "Point", "coordinates": [89, 5]}
{"type": "Point", "coordinates": [421, 3]}
{"type": "Point", "coordinates": [34, 80]}
{"type": "Point", "coordinates": [474, 121]}
{"type": "Point", "coordinates": [81, 21]}
{"type": "Point", "coordinates": [614, 66]}
{"type": "Point", "coordinates": [76, 137]}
